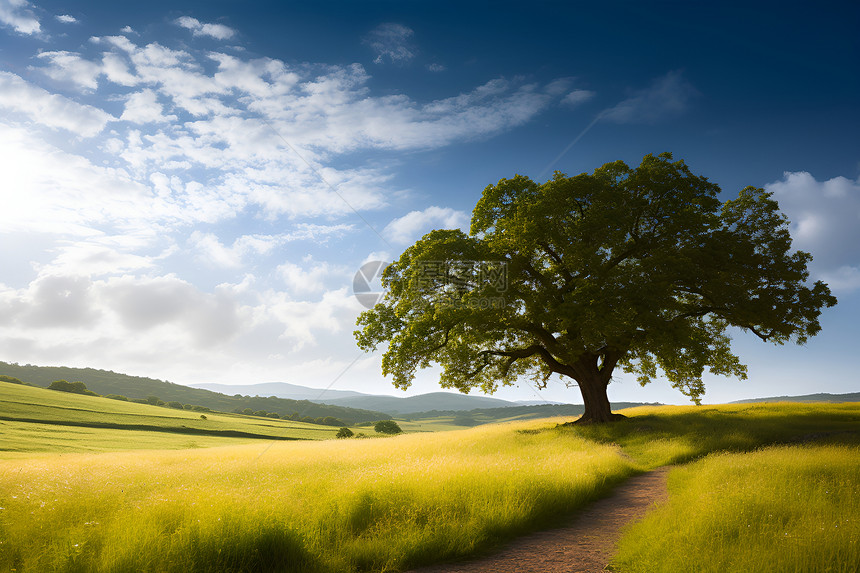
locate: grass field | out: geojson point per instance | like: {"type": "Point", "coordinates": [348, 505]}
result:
{"type": "Point", "coordinates": [787, 509]}
{"type": "Point", "coordinates": [662, 435]}
{"type": "Point", "coordinates": [39, 420]}
{"type": "Point", "coordinates": [394, 503]}
{"type": "Point", "coordinates": [338, 505]}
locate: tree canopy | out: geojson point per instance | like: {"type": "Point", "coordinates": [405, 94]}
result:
{"type": "Point", "coordinates": [639, 268]}
{"type": "Point", "coordinates": [73, 387]}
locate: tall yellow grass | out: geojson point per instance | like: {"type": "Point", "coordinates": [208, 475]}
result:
{"type": "Point", "coordinates": [352, 505]}
{"type": "Point", "coordinates": [786, 509]}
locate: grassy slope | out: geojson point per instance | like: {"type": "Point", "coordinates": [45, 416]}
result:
{"type": "Point", "coordinates": [786, 508]}
{"type": "Point", "coordinates": [361, 505]}
{"type": "Point", "coordinates": [663, 435]}
{"type": "Point", "coordinates": [36, 419]}
{"type": "Point", "coordinates": [105, 382]}
{"type": "Point", "coordinates": [337, 505]}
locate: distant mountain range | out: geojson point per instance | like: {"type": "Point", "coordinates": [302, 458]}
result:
{"type": "Point", "coordinates": [394, 405]}
{"type": "Point", "coordinates": [280, 390]}
{"type": "Point", "coordinates": [851, 397]}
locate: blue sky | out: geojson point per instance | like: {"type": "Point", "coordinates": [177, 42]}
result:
{"type": "Point", "coordinates": [188, 188]}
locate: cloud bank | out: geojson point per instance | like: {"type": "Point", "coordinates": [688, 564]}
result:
{"type": "Point", "coordinates": [825, 221]}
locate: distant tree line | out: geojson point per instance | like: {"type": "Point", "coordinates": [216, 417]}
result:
{"type": "Point", "coordinates": [81, 388]}
{"type": "Point", "coordinates": [296, 417]}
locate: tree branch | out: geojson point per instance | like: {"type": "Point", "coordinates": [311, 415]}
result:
{"type": "Point", "coordinates": [568, 278]}
{"type": "Point", "coordinates": [518, 354]}
{"type": "Point", "coordinates": [444, 342]}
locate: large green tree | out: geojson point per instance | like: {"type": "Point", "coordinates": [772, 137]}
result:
{"type": "Point", "coordinates": [642, 269]}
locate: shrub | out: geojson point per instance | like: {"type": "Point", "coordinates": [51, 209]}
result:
{"type": "Point", "coordinates": [154, 400]}
{"type": "Point", "coordinates": [71, 387]}
{"type": "Point", "coordinates": [262, 413]}
{"type": "Point", "coordinates": [175, 404]}
{"type": "Point", "coordinates": [11, 380]}
{"type": "Point", "coordinates": [344, 433]}
{"type": "Point", "coordinates": [248, 412]}
{"type": "Point", "coordinates": [118, 397]}
{"type": "Point", "coordinates": [387, 427]}
{"type": "Point", "coordinates": [273, 415]}
{"type": "Point", "coordinates": [203, 417]}
{"type": "Point", "coordinates": [307, 419]}
{"type": "Point", "coordinates": [186, 406]}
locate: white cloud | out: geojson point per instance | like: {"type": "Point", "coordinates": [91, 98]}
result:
{"type": "Point", "coordinates": [153, 323]}
{"type": "Point", "coordinates": [844, 279]}
{"type": "Point", "coordinates": [409, 227]}
{"type": "Point", "coordinates": [100, 256]}
{"type": "Point", "coordinates": [52, 301]}
{"type": "Point", "coordinates": [143, 107]}
{"type": "Point", "coordinates": [211, 171]}
{"type": "Point", "coordinates": [391, 41]}
{"type": "Point", "coordinates": [51, 110]}
{"type": "Point", "coordinates": [66, 19]}
{"type": "Point", "coordinates": [47, 190]}
{"type": "Point", "coordinates": [312, 279]}
{"type": "Point", "coordinates": [17, 14]}
{"type": "Point", "coordinates": [71, 68]}
{"type": "Point", "coordinates": [115, 68]}
{"type": "Point", "coordinates": [436, 67]}
{"type": "Point", "coordinates": [209, 319]}
{"type": "Point", "coordinates": [298, 320]}
{"type": "Point", "coordinates": [825, 221]}
{"type": "Point", "coordinates": [217, 31]}
{"type": "Point", "coordinates": [577, 97]}
{"type": "Point", "coordinates": [667, 96]}
{"type": "Point", "coordinates": [214, 252]}
{"type": "Point", "coordinates": [211, 250]}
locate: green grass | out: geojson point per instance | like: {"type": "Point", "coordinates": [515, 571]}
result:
{"type": "Point", "coordinates": [385, 504]}
{"type": "Point", "coordinates": [662, 435]}
{"type": "Point", "coordinates": [21, 440]}
{"type": "Point", "coordinates": [787, 509]}
{"type": "Point", "coordinates": [338, 505]}
{"type": "Point", "coordinates": [39, 420]}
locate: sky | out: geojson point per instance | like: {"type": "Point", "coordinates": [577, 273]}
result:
{"type": "Point", "coordinates": [188, 189]}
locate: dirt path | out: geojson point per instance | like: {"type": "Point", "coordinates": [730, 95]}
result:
{"type": "Point", "coordinates": [583, 546]}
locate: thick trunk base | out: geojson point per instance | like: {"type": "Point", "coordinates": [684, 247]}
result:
{"type": "Point", "coordinates": [587, 421]}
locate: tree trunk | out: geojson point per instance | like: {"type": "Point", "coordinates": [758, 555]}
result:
{"type": "Point", "coordinates": [597, 408]}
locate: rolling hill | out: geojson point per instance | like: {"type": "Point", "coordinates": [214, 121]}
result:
{"type": "Point", "coordinates": [280, 390]}
{"type": "Point", "coordinates": [421, 403]}
{"type": "Point", "coordinates": [394, 405]}
{"type": "Point", "coordinates": [822, 397]}
{"type": "Point", "coordinates": [136, 387]}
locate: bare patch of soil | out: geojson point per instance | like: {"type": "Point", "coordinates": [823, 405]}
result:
{"type": "Point", "coordinates": [584, 546]}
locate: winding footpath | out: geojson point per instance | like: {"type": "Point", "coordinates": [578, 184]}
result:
{"type": "Point", "coordinates": [584, 546]}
